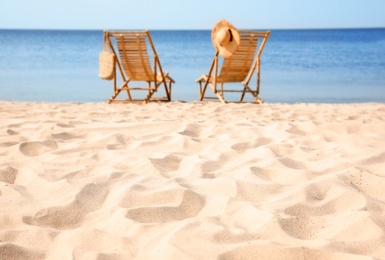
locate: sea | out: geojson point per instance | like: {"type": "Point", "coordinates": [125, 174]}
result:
{"type": "Point", "coordinates": [322, 65]}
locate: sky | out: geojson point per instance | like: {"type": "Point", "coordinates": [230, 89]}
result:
{"type": "Point", "coordinates": [190, 14]}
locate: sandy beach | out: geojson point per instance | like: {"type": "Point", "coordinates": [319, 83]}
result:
{"type": "Point", "coordinates": [190, 180]}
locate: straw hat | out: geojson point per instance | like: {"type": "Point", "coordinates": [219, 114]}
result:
{"type": "Point", "coordinates": [225, 38]}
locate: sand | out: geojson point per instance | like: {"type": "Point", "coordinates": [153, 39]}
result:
{"type": "Point", "coordinates": [190, 180]}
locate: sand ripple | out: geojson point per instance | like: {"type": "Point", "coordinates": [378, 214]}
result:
{"type": "Point", "coordinates": [192, 181]}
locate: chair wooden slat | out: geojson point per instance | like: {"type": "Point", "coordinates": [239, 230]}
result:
{"type": "Point", "coordinates": [238, 68]}
{"type": "Point", "coordinates": [134, 50]}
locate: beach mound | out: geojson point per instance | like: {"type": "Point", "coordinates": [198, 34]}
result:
{"type": "Point", "coordinates": [192, 181]}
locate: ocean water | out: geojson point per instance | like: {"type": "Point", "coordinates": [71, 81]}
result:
{"type": "Point", "coordinates": [332, 66]}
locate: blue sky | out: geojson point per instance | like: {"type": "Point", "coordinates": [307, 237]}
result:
{"type": "Point", "coordinates": [190, 14]}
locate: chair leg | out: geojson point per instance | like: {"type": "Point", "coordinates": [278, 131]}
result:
{"type": "Point", "coordinates": [202, 89]}
{"type": "Point", "coordinates": [218, 93]}
{"type": "Point", "coordinates": [221, 97]}
{"type": "Point", "coordinates": [253, 93]}
{"type": "Point", "coordinates": [114, 95]}
{"type": "Point", "coordinates": [118, 90]}
{"type": "Point", "coordinates": [243, 94]}
{"type": "Point", "coordinates": [167, 89]}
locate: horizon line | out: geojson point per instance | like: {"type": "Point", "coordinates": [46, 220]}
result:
{"type": "Point", "coordinates": [180, 29]}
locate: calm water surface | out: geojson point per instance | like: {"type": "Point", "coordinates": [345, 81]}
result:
{"type": "Point", "coordinates": [297, 65]}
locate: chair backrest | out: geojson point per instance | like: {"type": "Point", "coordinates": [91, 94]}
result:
{"type": "Point", "coordinates": [134, 55]}
{"type": "Point", "coordinates": [237, 67]}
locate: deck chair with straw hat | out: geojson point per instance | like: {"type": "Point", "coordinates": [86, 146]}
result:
{"type": "Point", "coordinates": [134, 51]}
{"type": "Point", "coordinates": [241, 53]}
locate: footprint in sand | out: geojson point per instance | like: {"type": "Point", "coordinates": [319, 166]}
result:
{"type": "Point", "coordinates": [11, 251]}
{"type": "Point", "coordinates": [242, 147]}
{"type": "Point", "coordinates": [366, 182]}
{"type": "Point", "coordinates": [210, 166]}
{"type": "Point", "coordinates": [32, 149]}
{"type": "Point", "coordinates": [65, 125]}
{"type": "Point", "coordinates": [192, 130]}
{"type": "Point", "coordinates": [118, 142]}
{"type": "Point", "coordinates": [89, 199]}
{"type": "Point", "coordinates": [291, 163]}
{"type": "Point", "coordinates": [190, 206]}
{"type": "Point", "coordinates": [11, 132]}
{"type": "Point", "coordinates": [64, 136]}
{"type": "Point", "coordinates": [8, 175]}
{"type": "Point", "coordinates": [257, 250]}
{"type": "Point", "coordinates": [320, 215]}
{"type": "Point", "coordinates": [167, 164]}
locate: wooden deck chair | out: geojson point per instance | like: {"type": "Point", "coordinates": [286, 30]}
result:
{"type": "Point", "coordinates": [238, 68]}
{"type": "Point", "coordinates": [133, 64]}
